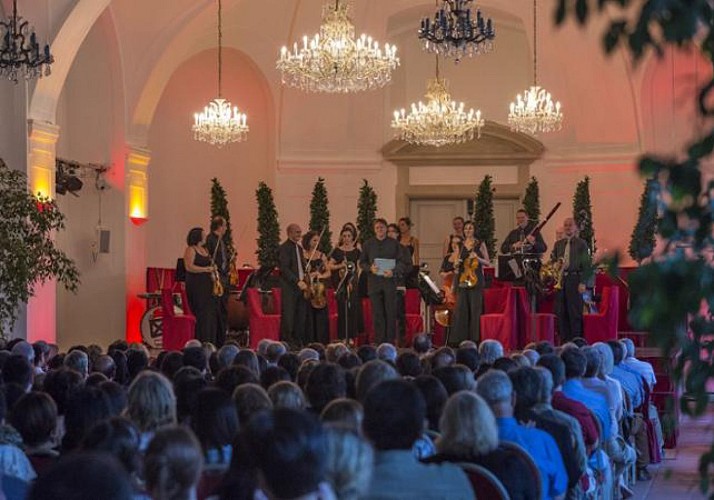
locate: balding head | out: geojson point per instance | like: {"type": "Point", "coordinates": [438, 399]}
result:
{"type": "Point", "coordinates": [106, 366]}
{"type": "Point", "coordinates": [24, 349]}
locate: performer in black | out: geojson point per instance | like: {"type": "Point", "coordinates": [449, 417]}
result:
{"type": "Point", "coordinates": [293, 310]}
{"type": "Point", "coordinates": [344, 264]}
{"type": "Point", "coordinates": [199, 286]}
{"type": "Point", "coordinates": [575, 257]}
{"type": "Point", "coordinates": [317, 326]}
{"type": "Point", "coordinates": [399, 280]}
{"type": "Point", "coordinates": [458, 230]}
{"type": "Point", "coordinates": [519, 241]}
{"type": "Point", "coordinates": [380, 285]}
{"type": "Point", "coordinates": [469, 287]}
{"type": "Point", "coordinates": [218, 251]}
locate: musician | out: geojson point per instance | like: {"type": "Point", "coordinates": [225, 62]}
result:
{"type": "Point", "coordinates": [406, 256]}
{"type": "Point", "coordinates": [458, 230]}
{"type": "Point", "coordinates": [317, 326]}
{"type": "Point", "coordinates": [217, 249]}
{"type": "Point", "coordinates": [448, 269]}
{"type": "Point", "coordinates": [293, 309]}
{"type": "Point", "coordinates": [575, 257]}
{"type": "Point", "coordinates": [199, 286]}
{"type": "Point", "coordinates": [520, 240]}
{"type": "Point", "coordinates": [381, 286]}
{"type": "Point", "coordinates": [350, 322]}
{"type": "Point", "coordinates": [469, 292]}
{"type": "Point", "coordinates": [411, 243]}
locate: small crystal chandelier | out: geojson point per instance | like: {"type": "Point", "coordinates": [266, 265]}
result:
{"type": "Point", "coordinates": [454, 33]}
{"type": "Point", "coordinates": [535, 111]}
{"type": "Point", "coordinates": [440, 121]}
{"type": "Point", "coordinates": [220, 123]}
{"type": "Point", "coordinates": [334, 60]}
{"type": "Point", "coordinates": [19, 51]}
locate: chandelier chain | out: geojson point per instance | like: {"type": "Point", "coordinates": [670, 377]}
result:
{"type": "Point", "coordinates": [220, 47]}
{"type": "Point", "coordinates": [535, 43]}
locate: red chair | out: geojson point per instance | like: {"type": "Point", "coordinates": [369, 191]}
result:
{"type": "Point", "coordinates": [485, 484]}
{"type": "Point", "coordinates": [414, 320]}
{"type": "Point", "coordinates": [177, 329]}
{"type": "Point", "coordinates": [332, 313]}
{"type": "Point", "coordinates": [262, 325]}
{"type": "Point", "coordinates": [500, 321]}
{"type": "Point", "coordinates": [602, 326]}
{"type": "Point", "coordinates": [544, 322]}
{"type": "Point", "coordinates": [368, 324]}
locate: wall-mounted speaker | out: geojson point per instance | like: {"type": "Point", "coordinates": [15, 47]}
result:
{"type": "Point", "coordinates": [103, 238]}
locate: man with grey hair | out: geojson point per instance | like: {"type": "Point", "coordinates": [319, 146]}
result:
{"type": "Point", "coordinates": [274, 351]}
{"type": "Point", "coordinates": [490, 350]}
{"type": "Point", "coordinates": [262, 347]}
{"type": "Point", "coordinates": [226, 354]}
{"type": "Point", "coordinates": [308, 354]}
{"type": "Point", "coordinates": [77, 361]}
{"type": "Point", "coordinates": [496, 389]}
{"type": "Point", "coordinates": [372, 373]}
{"type": "Point", "coordinates": [25, 350]}
{"type": "Point", "coordinates": [642, 367]}
{"type": "Point", "coordinates": [387, 352]}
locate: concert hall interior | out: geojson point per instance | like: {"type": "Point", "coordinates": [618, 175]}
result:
{"type": "Point", "coordinates": [128, 77]}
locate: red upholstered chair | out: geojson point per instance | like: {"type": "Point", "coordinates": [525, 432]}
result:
{"type": "Point", "coordinates": [177, 329]}
{"type": "Point", "coordinates": [263, 325]}
{"type": "Point", "coordinates": [500, 319]}
{"type": "Point", "coordinates": [332, 313]}
{"type": "Point", "coordinates": [414, 320]}
{"type": "Point", "coordinates": [484, 483]}
{"type": "Point", "coordinates": [544, 322]}
{"type": "Point", "coordinates": [368, 325]}
{"type": "Point", "coordinates": [602, 326]}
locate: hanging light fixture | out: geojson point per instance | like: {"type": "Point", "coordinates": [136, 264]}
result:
{"type": "Point", "coordinates": [20, 54]}
{"type": "Point", "coordinates": [334, 60]}
{"type": "Point", "coordinates": [535, 111]}
{"type": "Point", "coordinates": [440, 121]}
{"type": "Point", "coordinates": [454, 33]}
{"type": "Point", "coordinates": [220, 123]}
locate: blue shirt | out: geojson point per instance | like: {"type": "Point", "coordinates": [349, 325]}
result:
{"type": "Point", "coordinates": [630, 382]}
{"type": "Point", "coordinates": [575, 389]}
{"type": "Point", "coordinates": [541, 446]}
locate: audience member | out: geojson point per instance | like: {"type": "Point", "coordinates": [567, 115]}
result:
{"type": "Point", "coordinates": [287, 394]}
{"type": "Point", "coordinates": [344, 412]}
{"type": "Point", "coordinates": [421, 343]}
{"type": "Point", "coordinates": [272, 375]}
{"type": "Point", "coordinates": [172, 464]}
{"type": "Point", "coordinates": [435, 396]}
{"type": "Point", "coordinates": [85, 408]}
{"type": "Point", "coordinates": [250, 399]}
{"type": "Point", "coordinates": [408, 364]}
{"type": "Point", "coordinates": [387, 352]}
{"type": "Point", "coordinates": [17, 370]}
{"type": "Point", "coordinates": [490, 350]}
{"type": "Point", "coordinates": [326, 383]}
{"type": "Point", "coordinates": [349, 462]}
{"type": "Point", "coordinates": [35, 418]}
{"type": "Point", "coordinates": [151, 405]}
{"type": "Point", "coordinates": [214, 421]}
{"type": "Point", "coordinates": [372, 373]}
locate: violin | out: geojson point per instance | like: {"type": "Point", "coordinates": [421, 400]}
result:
{"type": "Point", "coordinates": [217, 285]}
{"type": "Point", "coordinates": [469, 272]}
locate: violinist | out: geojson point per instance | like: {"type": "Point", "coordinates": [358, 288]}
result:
{"type": "Point", "coordinates": [216, 246]}
{"type": "Point", "coordinates": [344, 264]}
{"type": "Point", "coordinates": [199, 285]}
{"type": "Point", "coordinates": [447, 271]}
{"type": "Point", "coordinates": [317, 326]}
{"type": "Point", "coordinates": [293, 308]}
{"type": "Point", "coordinates": [469, 287]}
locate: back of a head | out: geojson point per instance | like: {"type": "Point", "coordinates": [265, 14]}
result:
{"type": "Point", "coordinates": [593, 361]}
{"type": "Point", "coordinates": [443, 356]}
{"type": "Point", "coordinates": [249, 359]}
{"type": "Point", "coordinates": [287, 395]}
{"type": "Point", "coordinates": [350, 460]}
{"type": "Point", "coordinates": [490, 350]}
{"type": "Point", "coordinates": [435, 396]}
{"type": "Point", "coordinates": [188, 381]}
{"type": "Point", "coordinates": [272, 375]}
{"type": "Point", "coordinates": [344, 412]}
{"type": "Point", "coordinates": [233, 376]}
{"type": "Point", "coordinates": [555, 366]}
{"type": "Point", "coordinates": [196, 357]}
{"type": "Point", "coordinates": [468, 356]}
{"type": "Point", "coordinates": [325, 383]}
{"type": "Point", "coordinates": [455, 378]}
{"type": "Point", "coordinates": [117, 396]}
{"type": "Point", "coordinates": [136, 362]}
{"type": "Point", "coordinates": [505, 364]}
{"type": "Point", "coordinates": [408, 364]}
{"type": "Point", "coordinates": [262, 346]}
{"type": "Point", "coordinates": [226, 355]}
{"type": "Point", "coordinates": [387, 352]}
{"type": "Point", "coordinates": [629, 347]}
{"type": "Point", "coordinates": [214, 419]}
{"type": "Point", "coordinates": [172, 464]}
{"type": "Point", "coordinates": [34, 416]}
{"type": "Point", "coordinates": [118, 437]}
{"type": "Point", "coordinates": [494, 387]}
{"type": "Point", "coordinates": [290, 362]}
{"type": "Point", "coordinates": [544, 347]}
{"type": "Point", "coordinates": [421, 343]}
{"type": "Point", "coordinates": [618, 351]}
{"type": "Point", "coordinates": [17, 370]}
{"type": "Point", "coordinates": [151, 401]}
{"type": "Point", "coordinates": [367, 353]}
{"type": "Point", "coordinates": [468, 426]}
{"type": "Point", "coordinates": [289, 448]}
{"type": "Point", "coordinates": [608, 360]}
{"type": "Point", "coordinates": [85, 408]}
{"type": "Point", "coordinates": [274, 351]}
{"type": "Point", "coordinates": [249, 400]}
{"type": "Point", "coordinates": [580, 342]}
{"type": "Point", "coordinates": [24, 349]}
{"type": "Point", "coordinates": [532, 356]}
{"type": "Point", "coordinates": [520, 360]}
{"type": "Point", "coordinates": [394, 413]}
{"type": "Point", "coordinates": [527, 387]}
{"type": "Point", "coordinates": [307, 354]}
{"type": "Point", "coordinates": [575, 363]}
{"type": "Point", "coordinates": [83, 475]}
{"type": "Point", "coordinates": [59, 384]}
{"type": "Point", "coordinates": [371, 374]}
{"type": "Point", "coordinates": [105, 365]}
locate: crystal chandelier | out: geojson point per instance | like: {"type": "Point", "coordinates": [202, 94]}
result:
{"type": "Point", "coordinates": [220, 122]}
{"type": "Point", "coordinates": [334, 60]}
{"type": "Point", "coordinates": [19, 51]}
{"type": "Point", "coordinates": [454, 33]}
{"type": "Point", "coordinates": [440, 121]}
{"type": "Point", "coordinates": [535, 110]}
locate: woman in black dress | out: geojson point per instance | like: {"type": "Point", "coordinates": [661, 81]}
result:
{"type": "Point", "coordinates": [349, 303]}
{"type": "Point", "coordinates": [318, 319]}
{"type": "Point", "coordinates": [469, 292]}
{"type": "Point", "coordinates": [199, 286]}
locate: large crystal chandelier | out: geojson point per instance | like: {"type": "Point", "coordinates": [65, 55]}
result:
{"type": "Point", "coordinates": [20, 53]}
{"type": "Point", "coordinates": [535, 111]}
{"type": "Point", "coordinates": [440, 121]}
{"type": "Point", "coordinates": [220, 122]}
{"type": "Point", "coordinates": [454, 33]}
{"type": "Point", "coordinates": [334, 60]}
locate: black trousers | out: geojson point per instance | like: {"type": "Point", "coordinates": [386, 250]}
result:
{"type": "Point", "coordinates": [223, 312]}
{"type": "Point", "coordinates": [383, 296]}
{"type": "Point", "coordinates": [401, 316]}
{"type": "Point", "coordinates": [569, 308]}
{"type": "Point", "coordinates": [467, 315]}
{"type": "Point", "coordinates": [293, 315]}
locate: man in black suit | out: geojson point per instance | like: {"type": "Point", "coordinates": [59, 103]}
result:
{"type": "Point", "coordinates": [218, 251]}
{"type": "Point", "coordinates": [293, 310]}
{"type": "Point", "coordinates": [381, 286]}
{"type": "Point", "coordinates": [575, 256]}
{"type": "Point", "coordinates": [519, 240]}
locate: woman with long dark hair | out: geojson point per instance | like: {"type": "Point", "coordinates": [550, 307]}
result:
{"type": "Point", "coordinates": [317, 328]}
{"type": "Point", "coordinates": [469, 287]}
{"type": "Point", "coordinates": [344, 265]}
{"type": "Point", "coordinates": [199, 285]}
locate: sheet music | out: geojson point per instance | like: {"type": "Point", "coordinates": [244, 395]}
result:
{"type": "Point", "coordinates": [384, 265]}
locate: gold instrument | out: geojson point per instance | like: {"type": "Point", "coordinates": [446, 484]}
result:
{"type": "Point", "coordinates": [469, 275]}
{"type": "Point", "coordinates": [551, 274]}
{"type": "Point", "coordinates": [217, 285]}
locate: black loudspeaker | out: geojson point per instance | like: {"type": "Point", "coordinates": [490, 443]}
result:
{"type": "Point", "coordinates": [103, 238]}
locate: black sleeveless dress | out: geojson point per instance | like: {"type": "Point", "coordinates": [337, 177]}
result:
{"type": "Point", "coordinates": [199, 290]}
{"type": "Point", "coordinates": [350, 322]}
{"type": "Point", "coordinates": [318, 320]}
